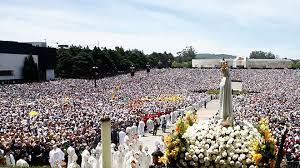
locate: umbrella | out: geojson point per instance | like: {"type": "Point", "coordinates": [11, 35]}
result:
{"type": "Point", "coordinates": [33, 113]}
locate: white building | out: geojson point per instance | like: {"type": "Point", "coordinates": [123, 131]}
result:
{"type": "Point", "coordinates": [242, 62]}
{"type": "Point", "coordinates": [209, 63]}
{"type": "Point", "coordinates": [13, 54]}
{"type": "Point", "coordinates": [11, 65]}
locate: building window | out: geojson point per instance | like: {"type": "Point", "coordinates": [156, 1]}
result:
{"type": "Point", "coordinates": [6, 73]}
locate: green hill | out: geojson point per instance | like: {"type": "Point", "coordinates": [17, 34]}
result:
{"type": "Point", "coordinates": [214, 56]}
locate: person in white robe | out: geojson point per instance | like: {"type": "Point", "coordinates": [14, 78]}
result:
{"type": "Point", "coordinates": [141, 128]}
{"type": "Point", "coordinates": [172, 114]}
{"type": "Point", "coordinates": [176, 113]}
{"type": "Point", "coordinates": [92, 159]}
{"type": "Point", "coordinates": [128, 132]}
{"type": "Point", "coordinates": [150, 125]}
{"type": "Point", "coordinates": [133, 158]}
{"type": "Point", "coordinates": [56, 156]}
{"type": "Point", "coordinates": [168, 118]}
{"type": "Point", "coordinates": [10, 160]}
{"type": "Point", "coordinates": [120, 156]}
{"type": "Point", "coordinates": [122, 135]}
{"type": "Point", "coordinates": [148, 157]}
{"type": "Point", "coordinates": [161, 118]}
{"type": "Point", "coordinates": [85, 157]}
{"type": "Point", "coordinates": [128, 154]}
{"type": "Point", "coordinates": [142, 157]}
{"type": "Point", "coordinates": [98, 155]}
{"type": "Point", "coordinates": [162, 145]}
{"type": "Point", "coordinates": [134, 129]}
{"type": "Point", "coordinates": [113, 155]}
{"type": "Point", "coordinates": [74, 164]}
{"type": "Point", "coordinates": [70, 152]}
{"type": "Point", "coordinates": [22, 163]}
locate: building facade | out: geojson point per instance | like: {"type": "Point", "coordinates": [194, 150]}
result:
{"type": "Point", "coordinates": [13, 54]}
{"type": "Point", "coordinates": [242, 62]}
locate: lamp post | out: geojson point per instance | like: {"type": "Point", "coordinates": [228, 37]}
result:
{"type": "Point", "coordinates": [148, 67]}
{"type": "Point", "coordinates": [132, 70]}
{"type": "Point", "coordinates": [159, 64]}
{"type": "Point", "coordinates": [95, 68]}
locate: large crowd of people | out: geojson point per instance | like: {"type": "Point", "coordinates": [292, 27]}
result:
{"type": "Point", "coordinates": [67, 112]}
{"type": "Point", "coordinates": [274, 94]}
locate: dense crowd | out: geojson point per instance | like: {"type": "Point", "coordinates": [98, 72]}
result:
{"type": "Point", "coordinates": [69, 110]}
{"type": "Point", "coordinates": [274, 94]}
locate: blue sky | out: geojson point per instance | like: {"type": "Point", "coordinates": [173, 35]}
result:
{"type": "Point", "coordinates": [211, 26]}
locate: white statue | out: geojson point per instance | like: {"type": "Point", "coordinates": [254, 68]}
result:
{"type": "Point", "coordinates": [226, 96]}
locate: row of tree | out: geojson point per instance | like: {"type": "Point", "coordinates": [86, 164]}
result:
{"type": "Point", "coordinates": [78, 62]}
{"type": "Point", "coordinates": [262, 55]}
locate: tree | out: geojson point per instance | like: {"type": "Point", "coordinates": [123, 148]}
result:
{"type": "Point", "coordinates": [296, 64]}
{"type": "Point", "coordinates": [187, 54]}
{"type": "Point", "coordinates": [261, 55]}
{"type": "Point", "coordinates": [30, 69]}
{"type": "Point", "coordinates": [77, 61]}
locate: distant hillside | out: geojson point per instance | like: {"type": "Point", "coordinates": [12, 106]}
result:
{"type": "Point", "coordinates": [214, 56]}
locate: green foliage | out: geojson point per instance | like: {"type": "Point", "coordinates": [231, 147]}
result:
{"type": "Point", "coordinates": [184, 58]}
{"type": "Point", "coordinates": [77, 62]}
{"type": "Point", "coordinates": [261, 55]}
{"type": "Point", "coordinates": [296, 64]}
{"type": "Point", "coordinates": [30, 69]}
{"type": "Point", "coordinates": [217, 91]}
{"type": "Point", "coordinates": [214, 56]}
{"type": "Point", "coordinates": [213, 91]}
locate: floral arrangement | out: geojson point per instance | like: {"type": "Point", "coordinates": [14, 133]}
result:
{"type": "Point", "coordinates": [265, 149]}
{"type": "Point", "coordinates": [212, 145]}
{"type": "Point", "coordinates": [176, 144]}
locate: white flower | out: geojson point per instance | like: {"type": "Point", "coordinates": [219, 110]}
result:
{"type": "Point", "coordinates": [195, 158]}
{"type": "Point", "coordinates": [237, 163]}
{"type": "Point", "coordinates": [235, 157]}
{"type": "Point", "coordinates": [224, 154]}
{"type": "Point", "coordinates": [222, 162]}
{"type": "Point", "coordinates": [248, 161]}
{"type": "Point", "coordinates": [206, 159]}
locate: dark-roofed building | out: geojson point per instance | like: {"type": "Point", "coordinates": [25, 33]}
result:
{"type": "Point", "coordinates": [13, 54]}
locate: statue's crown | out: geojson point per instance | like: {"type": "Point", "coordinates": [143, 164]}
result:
{"type": "Point", "coordinates": [224, 65]}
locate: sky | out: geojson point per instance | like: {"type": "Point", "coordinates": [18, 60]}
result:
{"type": "Point", "coordinates": [234, 27]}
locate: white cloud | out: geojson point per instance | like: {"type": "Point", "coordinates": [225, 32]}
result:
{"type": "Point", "coordinates": [163, 25]}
